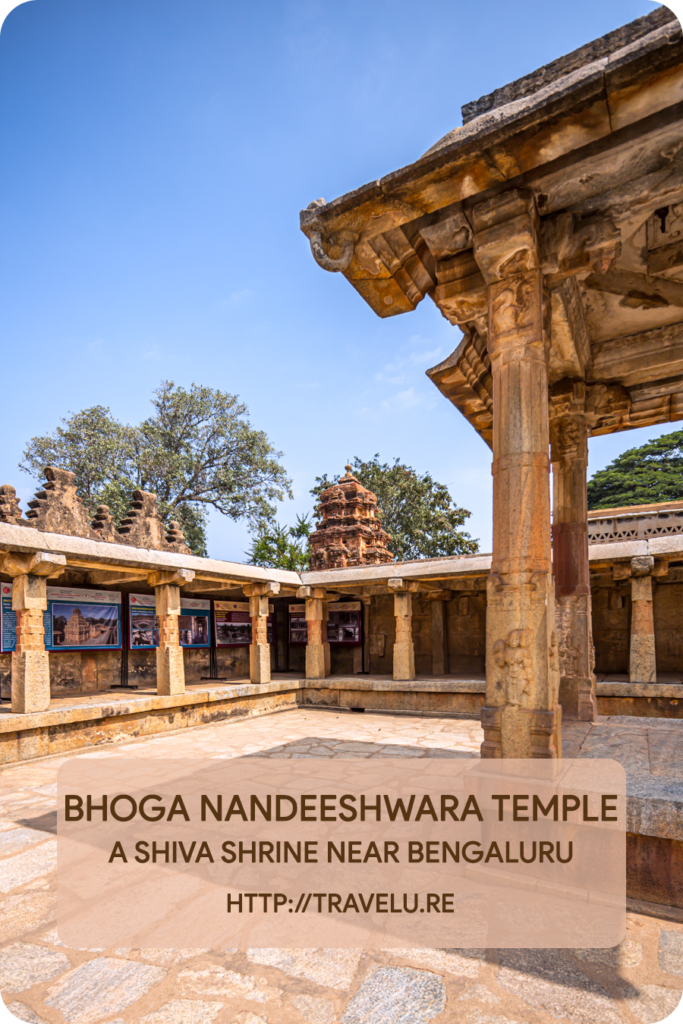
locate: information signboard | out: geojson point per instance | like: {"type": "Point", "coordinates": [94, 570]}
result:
{"type": "Point", "coordinates": [193, 622]}
{"type": "Point", "coordinates": [344, 623]}
{"type": "Point", "coordinates": [8, 619]}
{"type": "Point", "coordinates": [82, 620]}
{"type": "Point", "coordinates": [233, 623]}
{"type": "Point", "coordinates": [298, 627]}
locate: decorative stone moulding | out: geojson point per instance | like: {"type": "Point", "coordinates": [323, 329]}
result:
{"type": "Point", "coordinates": [10, 512]}
{"type": "Point", "coordinates": [350, 532]}
{"type": "Point", "coordinates": [57, 508]}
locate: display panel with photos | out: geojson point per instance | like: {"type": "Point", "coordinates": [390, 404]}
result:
{"type": "Point", "coordinates": [345, 622]}
{"type": "Point", "coordinates": [193, 622]}
{"type": "Point", "coordinates": [82, 620]}
{"type": "Point", "coordinates": [233, 623]}
{"type": "Point", "coordinates": [298, 627]}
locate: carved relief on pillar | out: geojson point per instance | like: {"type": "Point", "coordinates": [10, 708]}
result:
{"type": "Point", "coordinates": [521, 717]}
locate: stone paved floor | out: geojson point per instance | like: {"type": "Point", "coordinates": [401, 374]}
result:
{"type": "Point", "coordinates": [41, 980]}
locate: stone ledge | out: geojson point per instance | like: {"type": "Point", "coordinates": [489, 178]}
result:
{"type": "Point", "coordinates": [100, 708]}
{"type": "Point", "coordinates": [430, 685]}
{"type": "Point", "coordinates": [640, 690]}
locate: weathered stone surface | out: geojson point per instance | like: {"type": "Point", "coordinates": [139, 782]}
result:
{"type": "Point", "coordinates": [25, 1013]}
{"type": "Point", "coordinates": [101, 987]}
{"type": "Point", "coordinates": [143, 527]}
{"type": "Point", "coordinates": [58, 509]}
{"type": "Point", "coordinates": [547, 980]}
{"type": "Point", "coordinates": [397, 994]}
{"type": "Point", "coordinates": [184, 1011]}
{"type": "Point", "coordinates": [654, 1003]}
{"type": "Point", "coordinates": [104, 526]}
{"type": "Point", "coordinates": [25, 964]}
{"type": "Point", "coordinates": [333, 968]}
{"type": "Point", "coordinates": [479, 992]}
{"type": "Point", "coordinates": [15, 839]}
{"type": "Point", "coordinates": [350, 532]}
{"type": "Point", "coordinates": [10, 512]}
{"type": "Point", "coordinates": [670, 952]}
{"type": "Point", "coordinates": [214, 980]}
{"type": "Point", "coordinates": [23, 912]}
{"type": "Point", "coordinates": [463, 964]}
{"type": "Point", "coordinates": [628, 954]}
{"type": "Point", "coordinates": [23, 868]}
{"type": "Point", "coordinates": [313, 1010]}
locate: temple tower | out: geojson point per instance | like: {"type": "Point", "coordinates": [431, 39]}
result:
{"type": "Point", "coordinates": [350, 532]}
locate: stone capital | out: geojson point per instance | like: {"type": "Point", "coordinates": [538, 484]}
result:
{"type": "Point", "coordinates": [642, 565]}
{"type": "Point", "coordinates": [174, 577]}
{"type": "Point", "coordinates": [400, 586]}
{"type": "Point", "coordinates": [40, 563]}
{"type": "Point", "coordinates": [29, 593]}
{"type": "Point", "coordinates": [261, 589]}
{"type": "Point", "coordinates": [506, 235]}
{"type": "Point", "coordinates": [319, 593]}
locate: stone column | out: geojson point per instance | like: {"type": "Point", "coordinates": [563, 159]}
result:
{"type": "Point", "coordinates": [439, 633]}
{"type": "Point", "coordinates": [642, 666]}
{"type": "Point", "coordinates": [404, 649]}
{"type": "Point", "coordinates": [365, 634]}
{"type": "Point", "coordinates": [521, 717]}
{"type": "Point", "coordinates": [569, 453]}
{"type": "Point", "coordinates": [259, 652]}
{"type": "Point", "coordinates": [317, 647]}
{"type": "Point", "coordinates": [30, 660]}
{"type": "Point", "coordinates": [170, 657]}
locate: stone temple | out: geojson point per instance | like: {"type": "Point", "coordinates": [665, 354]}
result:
{"type": "Point", "coordinates": [548, 230]}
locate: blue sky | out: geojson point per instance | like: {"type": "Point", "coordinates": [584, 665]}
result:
{"type": "Point", "coordinates": [155, 156]}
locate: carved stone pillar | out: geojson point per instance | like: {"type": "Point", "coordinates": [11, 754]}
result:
{"type": "Point", "coordinates": [404, 649]}
{"type": "Point", "coordinates": [30, 660]}
{"type": "Point", "coordinates": [521, 717]}
{"type": "Point", "coordinates": [170, 658]}
{"type": "Point", "coordinates": [569, 453]}
{"type": "Point", "coordinates": [642, 666]}
{"type": "Point", "coordinates": [259, 652]}
{"type": "Point", "coordinates": [317, 647]}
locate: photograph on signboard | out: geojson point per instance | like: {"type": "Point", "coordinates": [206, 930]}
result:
{"type": "Point", "coordinates": [344, 623]}
{"type": "Point", "coordinates": [144, 628]}
{"type": "Point", "coordinates": [84, 625]}
{"type": "Point", "coordinates": [82, 619]}
{"type": "Point", "coordinates": [194, 630]}
{"type": "Point", "coordinates": [233, 623]}
{"type": "Point", "coordinates": [298, 627]}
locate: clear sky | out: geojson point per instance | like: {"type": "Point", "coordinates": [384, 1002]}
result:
{"type": "Point", "coordinates": [155, 156]}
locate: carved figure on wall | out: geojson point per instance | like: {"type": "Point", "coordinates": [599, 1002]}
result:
{"type": "Point", "coordinates": [513, 657]}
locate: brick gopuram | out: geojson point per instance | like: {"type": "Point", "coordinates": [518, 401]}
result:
{"type": "Point", "coordinates": [350, 532]}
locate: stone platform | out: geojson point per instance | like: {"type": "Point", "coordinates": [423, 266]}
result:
{"type": "Point", "coordinates": [44, 982]}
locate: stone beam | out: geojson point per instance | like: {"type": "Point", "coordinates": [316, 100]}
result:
{"type": "Point", "coordinates": [40, 563]}
{"type": "Point", "coordinates": [170, 577]}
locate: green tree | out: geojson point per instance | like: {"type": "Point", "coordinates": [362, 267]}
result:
{"type": "Point", "coordinates": [653, 472]}
{"type": "Point", "coordinates": [196, 451]}
{"type": "Point", "coordinates": [417, 512]}
{"type": "Point", "coordinates": [281, 547]}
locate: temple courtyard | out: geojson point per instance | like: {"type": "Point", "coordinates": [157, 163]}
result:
{"type": "Point", "coordinates": [639, 982]}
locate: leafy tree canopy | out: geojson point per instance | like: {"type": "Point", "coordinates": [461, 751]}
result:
{"type": "Point", "coordinates": [281, 547]}
{"type": "Point", "coordinates": [653, 472]}
{"type": "Point", "coordinates": [196, 451]}
{"type": "Point", "coordinates": [417, 512]}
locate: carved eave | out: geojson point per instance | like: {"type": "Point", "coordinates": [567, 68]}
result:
{"type": "Point", "coordinates": [465, 380]}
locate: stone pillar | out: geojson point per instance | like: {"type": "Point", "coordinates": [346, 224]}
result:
{"type": "Point", "coordinates": [569, 453]}
{"type": "Point", "coordinates": [259, 652]}
{"type": "Point", "coordinates": [439, 634]}
{"type": "Point", "coordinates": [365, 635]}
{"type": "Point", "coordinates": [642, 667]}
{"type": "Point", "coordinates": [30, 660]}
{"type": "Point", "coordinates": [521, 717]}
{"type": "Point", "coordinates": [404, 649]}
{"type": "Point", "coordinates": [317, 647]}
{"type": "Point", "coordinates": [170, 657]}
